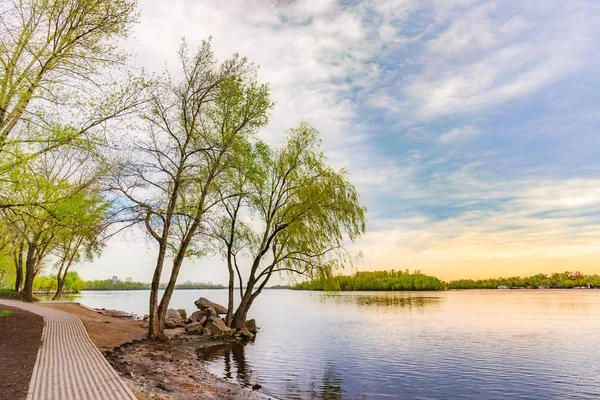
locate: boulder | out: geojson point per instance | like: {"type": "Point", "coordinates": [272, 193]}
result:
{"type": "Point", "coordinates": [245, 333]}
{"type": "Point", "coordinates": [182, 313]}
{"type": "Point", "coordinates": [196, 315]}
{"type": "Point", "coordinates": [218, 328]}
{"type": "Point", "coordinates": [210, 312]}
{"type": "Point", "coordinates": [203, 303]}
{"type": "Point", "coordinates": [169, 324]}
{"type": "Point", "coordinates": [195, 328]}
{"type": "Point", "coordinates": [202, 320]}
{"type": "Point", "coordinates": [146, 317]}
{"type": "Point", "coordinates": [206, 332]}
{"type": "Point", "coordinates": [173, 315]}
{"type": "Point", "coordinates": [251, 325]}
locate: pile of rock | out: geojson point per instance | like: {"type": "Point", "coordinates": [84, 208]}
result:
{"type": "Point", "coordinates": [206, 321]}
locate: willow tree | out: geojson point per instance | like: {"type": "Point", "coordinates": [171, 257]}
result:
{"type": "Point", "coordinates": [192, 128]}
{"type": "Point", "coordinates": [294, 216]}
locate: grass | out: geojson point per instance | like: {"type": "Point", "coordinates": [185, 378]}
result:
{"type": "Point", "coordinates": [5, 313]}
{"type": "Point", "coordinates": [9, 294]}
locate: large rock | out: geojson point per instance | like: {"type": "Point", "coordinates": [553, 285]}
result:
{"type": "Point", "coordinates": [218, 328]}
{"type": "Point", "coordinates": [196, 315]}
{"type": "Point", "coordinates": [251, 325]}
{"type": "Point", "coordinates": [173, 315]}
{"type": "Point", "coordinates": [203, 303]}
{"type": "Point", "coordinates": [195, 328]}
{"type": "Point", "coordinates": [182, 313]}
{"type": "Point", "coordinates": [245, 333]}
{"type": "Point", "coordinates": [169, 324]}
{"type": "Point", "coordinates": [210, 312]}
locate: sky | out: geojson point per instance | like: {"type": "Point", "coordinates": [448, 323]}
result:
{"type": "Point", "coordinates": [470, 128]}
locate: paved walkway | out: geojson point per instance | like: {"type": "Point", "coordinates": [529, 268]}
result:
{"type": "Point", "coordinates": [68, 365]}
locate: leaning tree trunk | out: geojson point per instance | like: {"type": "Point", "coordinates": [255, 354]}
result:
{"type": "Point", "coordinates": [155, 326]}
{"type": "Point", "coordinates": [59, 288]}
{"type": "Point", "coordinates": [242, 311]}
{"type": "Point", "coordinates": [166, 297]}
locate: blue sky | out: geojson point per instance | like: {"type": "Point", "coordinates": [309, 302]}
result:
{"type": "Point", "coordinates": [470, 127]}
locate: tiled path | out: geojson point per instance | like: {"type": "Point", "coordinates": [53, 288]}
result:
{"type": "Point", "coordinates": [68, 365]}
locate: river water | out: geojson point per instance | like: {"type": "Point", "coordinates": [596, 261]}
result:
{"type": "Point", "coordinates": [486, 344]}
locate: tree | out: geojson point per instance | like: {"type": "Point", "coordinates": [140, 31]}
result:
{"type": "Point", "coordinates": [303, 211]}
{"type": "Point", "coordinates": [89, 215]}
{"type": "Point", "coordinates": [54, 85]}
{"type": "Point", "coordinates": [60, 195]}
{"type": "Point", "coordinates": [192, 127]}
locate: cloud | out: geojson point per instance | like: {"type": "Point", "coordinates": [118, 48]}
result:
{"type": "Point", "coordinates": [392, 85]}
{"type": "Point", "coordinates": [459, 134]}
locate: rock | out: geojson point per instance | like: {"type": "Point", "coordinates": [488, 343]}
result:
{"type": "Point", "coordinates": [251, 325]}
{"type": "Point", "coordinates": [182, 313]}
{"type": "Point", "coordinates": [173, 315]}
{"type": "Point", "coordinates": [144, 324]}
{"type": "Point", "coordinates": [146, 317]}
{"type": "Point", "coordinates": [162, 386]}
{"type": "Point", "coordinates": [203, 303]}
{"type": "Point", "coordinates": [195, 328]}
{"type": "Point", "coordinates": [169, 324]}
{"type": "Point", "coordinates": [196, 315]}
{"type": "Point", "coordinates": [256, 386]}
{"type": "Point", "coordinates": [202, 320]}
{"type": "Point", "coordinates": [218, 328]}
{"type": "Point", "coordinates": [206, 332]}
{"type": "Point", "coordinates": [245, 333]}
{"type": "Point", "coordinates": [210, 312]}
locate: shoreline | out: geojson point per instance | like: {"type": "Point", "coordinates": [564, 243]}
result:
{"type": "Point", "coordinates": [169, 370]}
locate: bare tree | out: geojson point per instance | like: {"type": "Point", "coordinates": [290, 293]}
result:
{"type": "Point", "coordinates": [193, 126]}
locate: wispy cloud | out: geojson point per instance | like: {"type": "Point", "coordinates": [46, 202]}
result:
{"type": "Point", "coordinates": [469, 126]}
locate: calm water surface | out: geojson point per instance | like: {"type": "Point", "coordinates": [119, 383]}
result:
{"type": "Point", "coordinates": [493, 344]}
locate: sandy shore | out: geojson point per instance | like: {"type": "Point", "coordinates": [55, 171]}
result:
{"type": "Point", "coordinates": [170, 370]}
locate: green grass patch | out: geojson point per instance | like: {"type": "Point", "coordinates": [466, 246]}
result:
{"type": "Point", "coordinates": [9, 294]}
{"type": "Point", "coordinates": [5, 313]}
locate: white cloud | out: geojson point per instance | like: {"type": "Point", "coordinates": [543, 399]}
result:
{"type": "Point", "coordinates": [459, 134]}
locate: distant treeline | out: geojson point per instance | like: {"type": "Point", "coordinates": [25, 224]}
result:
{"type": "Point", "coordinates": [109, 284]}
{"type": "Point", "coordinates": [565, 280]}
{"type": "Point", "coordinates": [73, 283]}
{"type": "Point", "coordinates": [376, 280]}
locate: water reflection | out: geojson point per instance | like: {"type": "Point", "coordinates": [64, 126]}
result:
{"type": "Point", "coordinates": [386, 300]}
{"type": "Point", "coordinates": [235, 367]}
{"type": "Point", "coordinates": [234, 360]}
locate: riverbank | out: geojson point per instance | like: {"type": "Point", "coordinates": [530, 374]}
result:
{"type": "Point", "coordinates": [170, 370]}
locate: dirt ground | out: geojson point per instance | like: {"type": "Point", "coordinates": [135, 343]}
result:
{"type": "Point", "coordinates": [20, 339]}
{"type": "Point", "coordinates": [172, 370]}
{"type": "Point", "coordinates": [105, 330]}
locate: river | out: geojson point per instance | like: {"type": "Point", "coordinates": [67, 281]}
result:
{"type": "Point", "coordinates": [486, 344]}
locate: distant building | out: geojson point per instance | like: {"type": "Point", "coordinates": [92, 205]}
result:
{"type": "Point", "coordinates": [503, 287]}
{"type": "Point", "coordinates": [115, 279]}
{"type": "Point", "coordinates": [543, 287]}
{"type": "Point", "coordinates": [129, 279]}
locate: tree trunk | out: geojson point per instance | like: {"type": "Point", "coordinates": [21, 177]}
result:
{"type": "Point", "coordinates": [155, 326]}
{"type": "Point", "coordinates": [18, 259]}
{"type": "Point", "coordinates": [59, 288]}
{"type": "Point", "coordinates": [166, 298]}
{"type": "Point", "coordinates": [27, 292]}
{"type": "Point", "coordinates": [242, 311]}
{"type": "Point", "coordinates": [231, 289]}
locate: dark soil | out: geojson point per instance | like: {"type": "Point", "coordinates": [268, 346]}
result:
{"type": "Point", "coordinates": [20, 339]}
